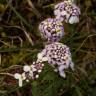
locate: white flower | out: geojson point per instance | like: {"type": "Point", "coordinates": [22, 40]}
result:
{"type": "Point", "coordinates": [37, 76]}
{"type": "Point", "coordinates": [61, 71]}
{"type": "Point", "coordinates": [23, 76]}
{"type": "Point", "coordinates": [42, 65]}
{"type": "Point", "coordinates": [26, 68]}
{"type": "Point", "coordinates": [64, 13]}
{"type": "Point", "coordinates": [73, 19]}
{"type": "Point", "coordinates": [17, 75]}
{"type": "Point", "coordinates": [30, 69]}
{"type": "Point", "coordinates": [44, 59]}
{"type": "Point", "coordinates": [33, 68]}
{"type": "Point", "coordinates": [41, 58]}
{"type": "Point", "coordinates": [27, 80]}
{"type": "Point", "coordinates": [20, 77]}
{"type": "Point", "coordinates": [39, 71]}
{"type": "Point", "coordinates": [56, 12]}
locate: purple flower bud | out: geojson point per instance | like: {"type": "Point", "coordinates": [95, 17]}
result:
{"type": "Point", "coordinates": [51, 29]}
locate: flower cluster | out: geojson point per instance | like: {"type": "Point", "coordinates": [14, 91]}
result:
{"type": "Point", "coordinates": [52, 29]}
{"type": "Point", "coordinates": [30, 72]}
{"type": "Point", "coordinates": [67, 11]}
{"type": "Point", "coordinates": [57, 54]}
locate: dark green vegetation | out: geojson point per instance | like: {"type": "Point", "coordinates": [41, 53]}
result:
{"type": "Point", "coordinates": [20, 41]}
